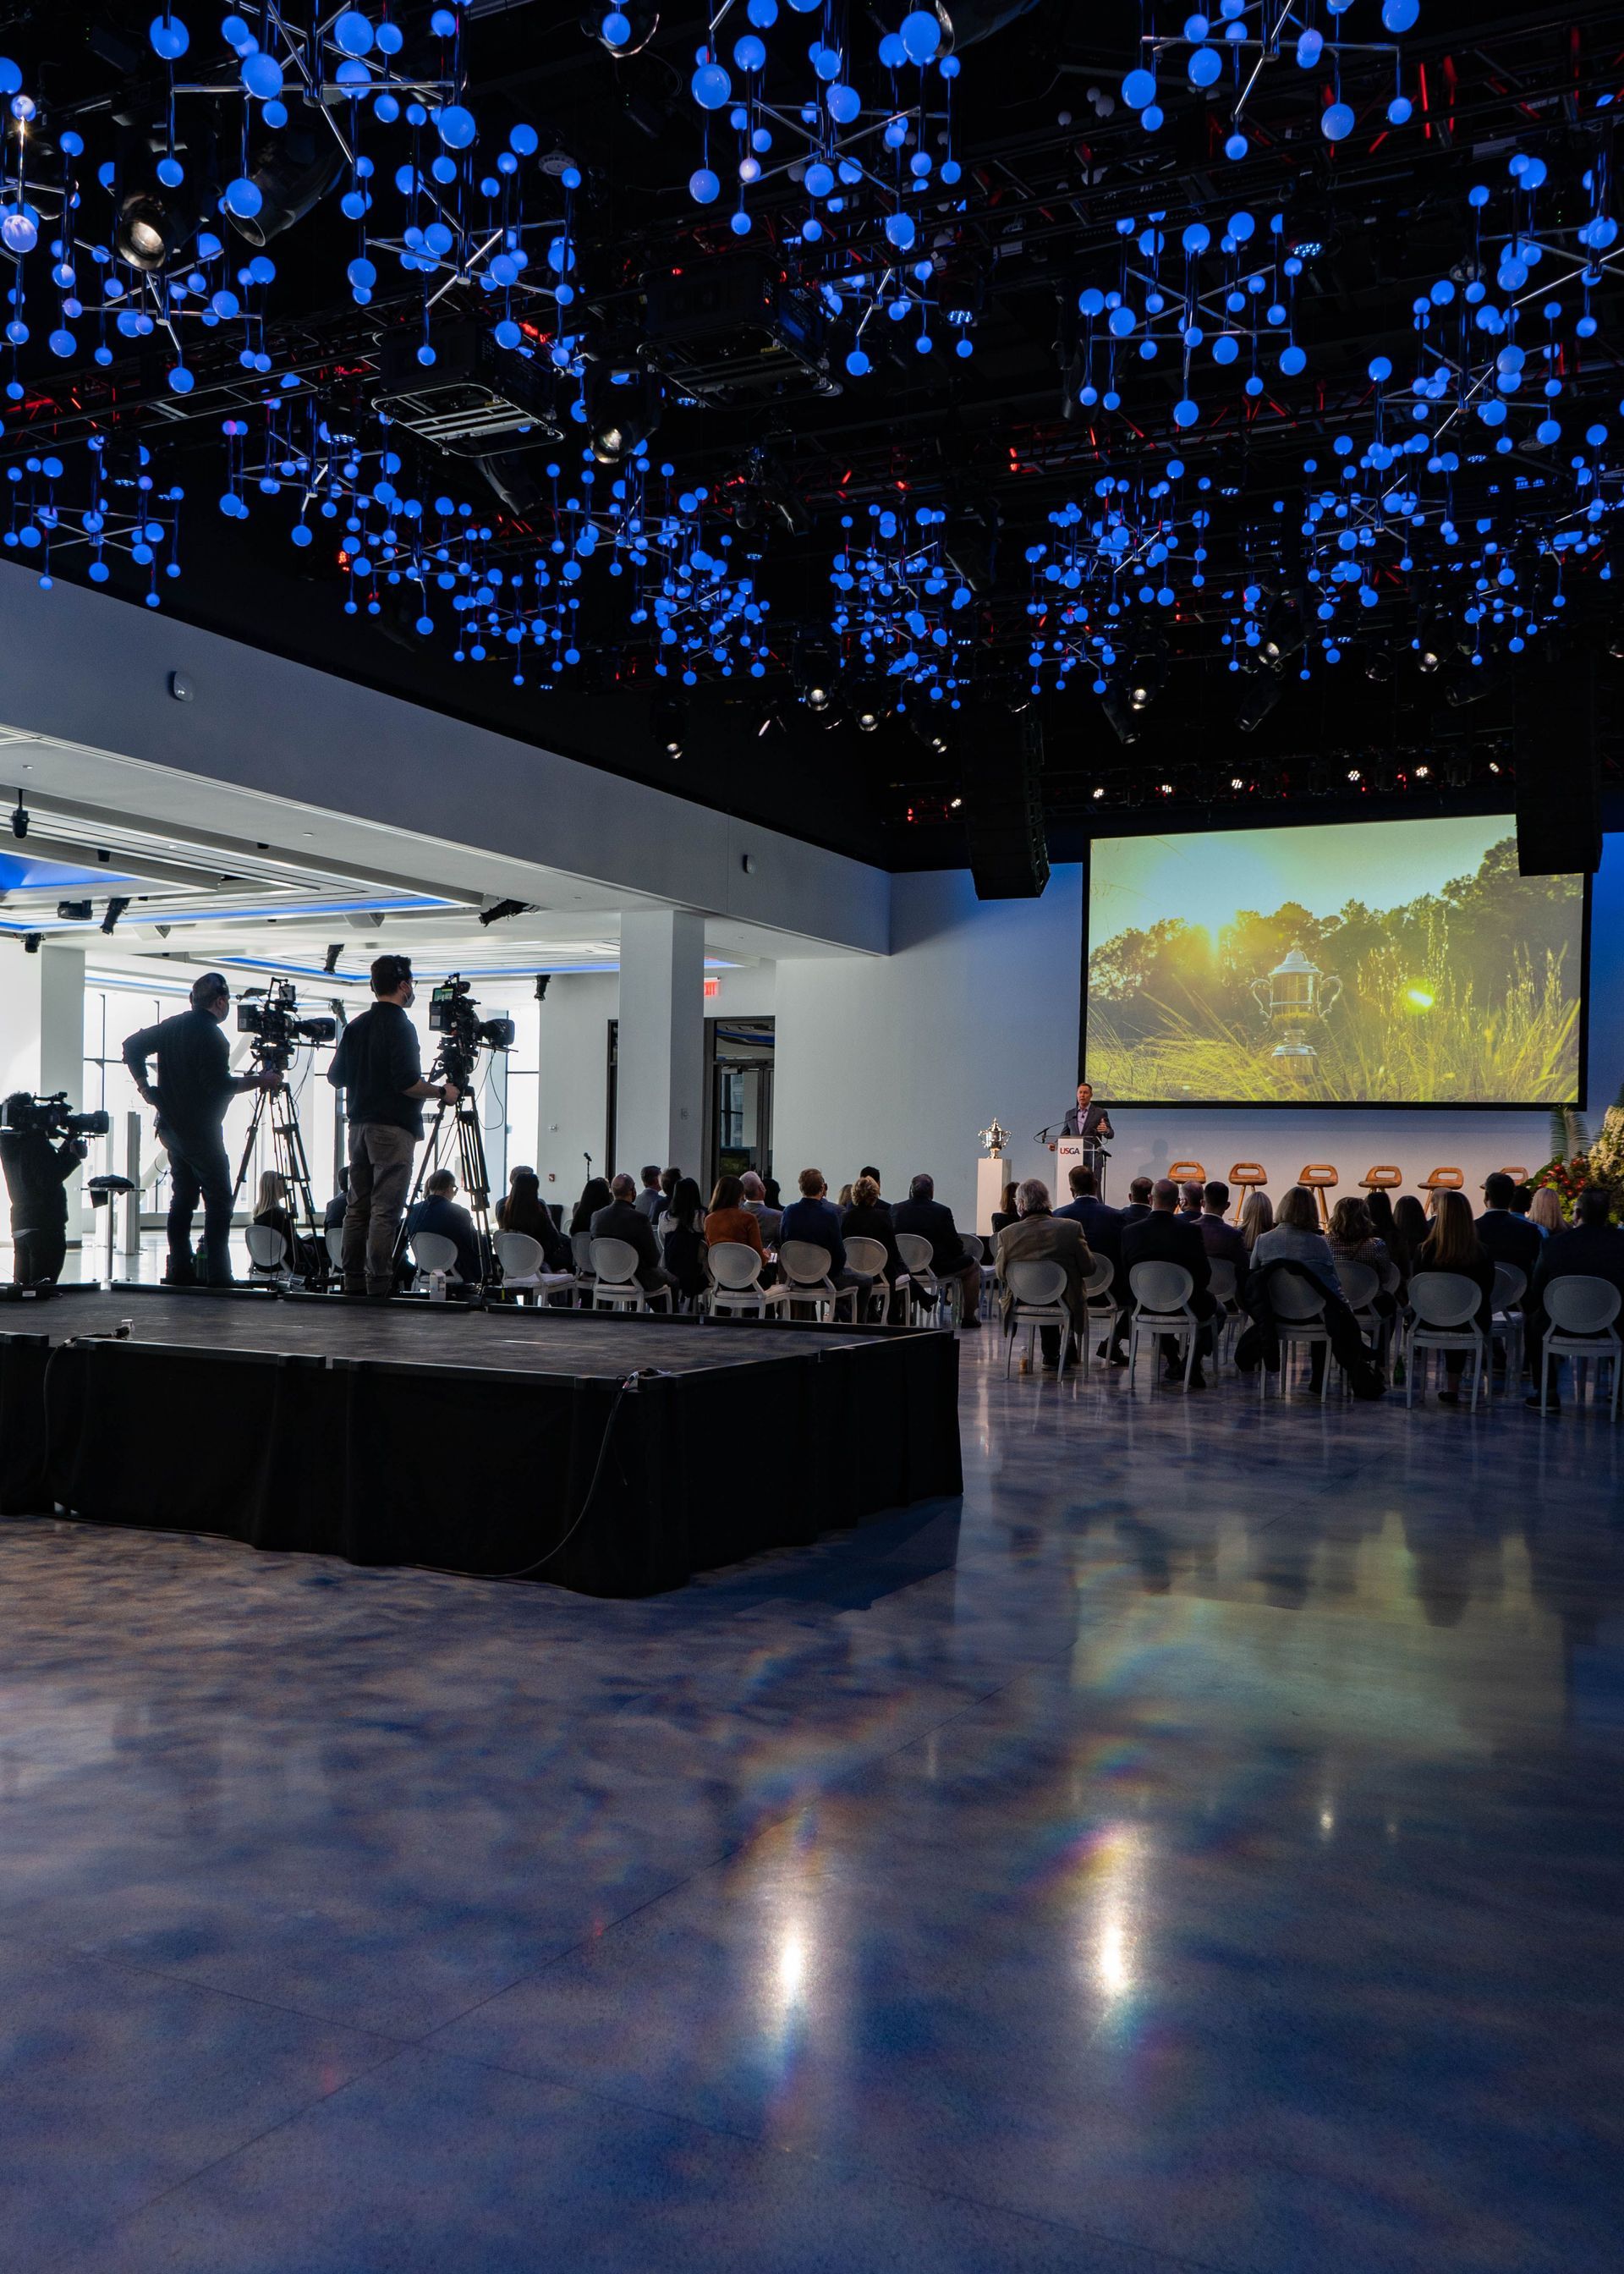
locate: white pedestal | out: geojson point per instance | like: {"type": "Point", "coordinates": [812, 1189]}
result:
{"type": "Point", "coordinates": [990, 1179]}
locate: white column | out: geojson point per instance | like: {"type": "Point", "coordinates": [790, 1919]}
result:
{"type": "Point", "coordinates": [660, 1096]}
{"type": "Point", "coordinates": [42, 1022]}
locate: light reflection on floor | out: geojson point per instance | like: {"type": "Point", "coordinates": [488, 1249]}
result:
{"type": "Point", "coordinates": [1202, 1848]}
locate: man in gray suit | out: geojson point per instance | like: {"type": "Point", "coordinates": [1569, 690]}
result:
{"type": "Point", "coordinates": [1039, 1235]}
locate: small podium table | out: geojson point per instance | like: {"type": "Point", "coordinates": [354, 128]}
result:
{"type": "Point", "coordinates": [1077, 1153]}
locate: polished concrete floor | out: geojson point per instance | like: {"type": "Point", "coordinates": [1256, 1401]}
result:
{"type": "Point", "coordinates": [1202, 1848]}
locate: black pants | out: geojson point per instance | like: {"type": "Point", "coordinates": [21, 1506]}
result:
{"type": "Point", "coordinates": [38, 1253]}
{"type": "Point", "coordinates": [199, 1169]}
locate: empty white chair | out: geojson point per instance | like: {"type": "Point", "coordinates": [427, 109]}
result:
{"type": "Point", "coordinates": [1037, 1299]}
{"type": "Point", "coordinates": [1299, 1322]}
{"type": "Point", "coordinates": [869, 1256]}
{"type": "Point", "coordinates": [1222, 1285]}
{"type": "Point", "coordinates": [521, 1259]}
{"type": "Point", "coordinates": [435, 1256]}
{"type": "Point", "coordinates": [1580, 1311]}
{"type": "Point", "coordinates": [805, 1267]}
{"type": "Point", "coordinates": [1162, 1294]}
{"type": "Point", "coordinates": [735, 1288]}
{"type": "Point", "coordinates": [1099, 1305]}
{"type": "Point", "coordinates": [582, 1242]}
{"type": "Point", "coordinates": [1443, 1316]}
{"type": "Point", "coordinates": [335, 1236]}
{"type": "Point", "coordinates": [268, 1254]}
{"type": "Point", "coordinates": [614, 1267]}
{"type": "Point", "coordinates": [928, 1291]}
{"type": "Point", "coordinates": [1506, 1325]}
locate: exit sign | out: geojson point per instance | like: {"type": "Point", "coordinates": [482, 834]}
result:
{"type": "Point", "coordinates": [713, 988]}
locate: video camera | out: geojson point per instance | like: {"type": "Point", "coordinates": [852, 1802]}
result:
{"type": "Point", "coordinates": [454, 1015]}
{"type": "Point", "coordinates": [276, 1026]}
{"type": "Point", "coordinates": [51, 1117]}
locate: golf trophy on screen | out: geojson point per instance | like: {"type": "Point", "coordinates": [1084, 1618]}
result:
{"type": "Point", "coordinates": [1295, 994]}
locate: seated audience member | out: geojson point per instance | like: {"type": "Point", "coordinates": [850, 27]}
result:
{"type": "Point", "coordinates": [928, 1218]}
{"type": "Point", "coordinates": [1506, 1236]}
{"type": "Point", "coordinates": [1413, 1224]}
{"type": "Point", "coordinates": [1006, 1211]}
{"type": "Point", "coordinates": [670, 1178]}
{"type": "Point", "coordinates": [869, 1218]}
{"type": "Point", "coordinates": [1592, 1249]}
{"type": "Point", "coordinates": [1102, 1226]}
{"type": "Point", "coordinates": [815, 1219]}
{"type": "Point", "coordinates": [437, 1212]}
{"type": "Point", "coordinates": [1139, 1200]}
{"type": "Point", "coordinates": [594, 1195]}
{"type": "Point", "coordinates": [1545, 1211]}
{"type": "Point", "coordinates": [775, 1198]}
{"type": "Point", "coordinates": [333, 1214]}
{"type": "Point", "coordinates": [1225, 1243]}
{"type": "Point", "coordinates": [682, 1233]}
{"type": "Point", "coordinates": [623, 1219]}
{"type": "Point", "coordinates": [1192, 1200]}
{"type": "Point", "coordinates": [648, 1200]}
{"type": "Point", "coordinates": [1353, 1238]}
{"type": "Point", "coordinates": [1522, 1198]}
{"type": "Point", "coordinates": [1162, 1236]}
{"type": "Point", "coordinates": [1257, 1217]}
{"type": "Point", "coordinates": [845, 1200]}
{"type": "Point", "coordinates": [1039, 1235]}
{"type": "Point", "coordinates": [1296, 1246]}
{"type": "Point", "coordinates": [755, 1201]}
{"type": "Point", "coordinates": [1378, 1206]}
{"type": "Point", "coordinates": [271, 1210]}
{"type": "Point", "coordinates": [868, 1172]}
{"type": "Point", "coordinates": [1295, 1237]}
{"type": "Point", "coordinates": [728, 1220]}
{"type": "Point", "coordinates": [521, 1208]}
{"type": "Point", "coordinates": [1453, 1245]}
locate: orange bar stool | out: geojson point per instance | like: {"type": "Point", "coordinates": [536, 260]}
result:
{"type": "Point", "coordinates": [1187, 1172]}
{"type": "Point", "coordinates": [1320, 1177]}
{"type": "Point", "coordinates": [1245, 1176]}
{"type": "Point", "coordinates": [1384, 1178]}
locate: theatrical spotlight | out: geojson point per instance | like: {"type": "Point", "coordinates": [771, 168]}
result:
{"type": "Point", "coordinates": [1472, 685]}
{"type": "Point", "coordinates": [867, 722]}
{"type": "Point", "coordinates": [1146, 680]}
{"type": "Point", "coordinates": [19, 818]}
{"type": "Point", "coordinates": [293, 170]}
{"type": "Point", "coordinates": [155, 227]}
{"type": "Point", "coordinates": [115, 910]}
{"type": "Point", "coordinates": [500, 910]}
{"type": "Point", "coordinates": [329, 962]}
{"type": "Point", "coordinates": [668, 724]}
{"type": "Point", "coordinates": [1258, 700]}
{"type": "Point", "coordinates": [1379, 665]}
{"type": "Point", "coordinates": [1124, 716]}
{"type": "Point", "coordinates": [628, 412]}
{"type": "Point", "coordinates": [1428, 658]}
{"type": "Point", "coordinates": [544, 980]}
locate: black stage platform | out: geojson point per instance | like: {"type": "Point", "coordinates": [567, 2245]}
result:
{"type": "Point", "coordinates": [615, 1455]}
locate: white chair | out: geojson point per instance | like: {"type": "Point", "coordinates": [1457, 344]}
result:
{"type": "Point", "coordinates": [335, 1237]}
{"type": "Point", "coordinates": [1580, 1311]}
{"type": "Point", "coordinates": [1299, 1323]}
{"type": "Point", "coordinates": [1361, 1283]}
{"type": "Point", "coordinates": [1443, 1316]}
{"type": "Point", "coordinates": [435, 1257]}
{"type": "Point", "coordinates": [617, 1288]}
{"type": "Point", "coordinates": [1162, 1294]}
{"type": "Point", "coordinates": [869, 1256]}
{"type": "Point", "coordinates": [1037, 1299]}
{"type": "Point", "coordinates": [1506, 1325]}
{"type": "Point", "coordinates": [805, 1267]}
{"type": "Point", "coordinates": [1222, 1286]}
{"type": "Point", "coordinates": [926, 1289]}
{"type": "Point", "coordinates": [521, 1259]}
{"type": "Point", "coordinates": [735, 1289]}
{"type": "Point", "coordinates": [582, 1242]}
{"type": "Point", "coordinates": [980, 1249]}
{"type": "Point", "coordinates": [267, 1256]}
{"type": "Point", "coordinates": [1099, 1305]}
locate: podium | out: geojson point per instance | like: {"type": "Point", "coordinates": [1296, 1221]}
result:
{"type": "Point", "coordinates": [1077, 1153]}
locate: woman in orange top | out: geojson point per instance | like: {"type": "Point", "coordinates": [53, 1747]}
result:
{"type": "Point", "coordinates": [730, 1220]}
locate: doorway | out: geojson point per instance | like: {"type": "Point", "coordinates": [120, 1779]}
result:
{"type": "Point", "coordinates": [738, 1054]}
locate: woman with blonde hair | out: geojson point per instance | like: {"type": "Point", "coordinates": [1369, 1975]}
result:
{"type": "Point", "coordinates": [1257, 1216]}
{"type": "Point", "coordinates": [1453, 1245]}
{"type": "Point", "coordinates": [1545, 1210]}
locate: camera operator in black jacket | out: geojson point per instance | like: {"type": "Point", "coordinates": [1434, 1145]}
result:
{"type": "Point", "coordinates": [36, 1177]}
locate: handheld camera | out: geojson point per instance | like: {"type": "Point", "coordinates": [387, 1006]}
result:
{"type": "Point", "coordinates": [51, 1117]}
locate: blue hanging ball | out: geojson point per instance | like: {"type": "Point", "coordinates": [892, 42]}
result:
{"type": "Point", "coordinates": [169, 37]}
{"type": "Point", "coordinates": [1225, 348]}
{"type": "Point", "coordinates": [616, 29]}
{"type": "Point", "coordinates": [243, 198]}
{"type": "Point", "coordinates": [455, 126]}
{"type": "Point", "coordinates": [763, 13]}
{"type": "Point", "coordinates": [299, 534]}
{"type": "Point", "coordinates": [921, 35]}
{"type": "Point", "coordinates": [1400, 15]}
{"type": "Point", "coordinates": [740, 223]}
{"type": "Point", "coordinates": [171, 173]}
{"type": "Point", "coordinates": [389, 39]}
{"type": "Point", "coordinates": [1151, 117]}
{"type": "Point", "coordinates": [1196, 29]}
{"type": "Point", "coordinates": [703, 187]}
{"type": "Point", "coordinates": [181, 380]}
{"type": "Point", "coordinates": [262, 76]}
{"type": "Point", "coordinates": [426, 354]}
{"type": "Point", "coordinates": [1310, 46]}
{"type": "Point", "coordinates": [1291, 361]}
{"type": "Point", "coordinates": [1235, 147]}
{"type": "Point", "coordinates": [750, 53]}
{"type": "Point", "coordinates": [63, 345]}
{"type": "Point", "coordinates": [711, 87]}
{"type": "Point", "coordinates": [1205, 66]}
{"type": "Point", "coordinates": [845, 102]}
{"type": "Point", "coordinates": [352, 33]}
{"type": "Point", "coordinates": [893, 55]}
{"type": "Point", "coordinates": [362, 274]}
{"type": "Point", "coordinates": [819, 180]}
{"type": "Point", "coordinates": [1399, 110]}
{"type": "Point", "coordinates": [507, 333]}
{"type": "Point", "coordinates": [11, 76]}
{"type": "Point", "coordinates": [443, 24]}
{"type": "Point", "coordinates": [1185, 413]}
{"type": "Point", "coordinates": [1336, 120]}
{"type": "Point", "coordinates": [1139, 88]}
{"type": "Point", "coordinates": [900, 229]}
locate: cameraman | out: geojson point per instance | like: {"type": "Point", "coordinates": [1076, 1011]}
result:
{"type": "Point", "coordinates": [36, 1177]}
{"type": "Point", "coordinates": [379, 1066]}
{"type": "Point", "coordinates": [195, 1084]}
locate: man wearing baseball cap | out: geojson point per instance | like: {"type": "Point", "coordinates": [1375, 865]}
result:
{"type": "Point", "coordinates": [194, 1086]}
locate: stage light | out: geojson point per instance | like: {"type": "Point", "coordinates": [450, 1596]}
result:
{"type": "Point", "coordinates": [1236, 782]}
{"type": "Point", "coordinates": [668, 724]}
{"type": "Point", "coordinates": [1379, 665]}
{"type": "Point", "coordinates": [73, 911]}
{"type": "Point", "coordinates": [544, 980]}
{"type": "Point", "coordinates": [500, 910]}
{"type": "Point", "coordinates": [818, 698]}
{"type": "Point", "coordinates": [1256, 704]}
{"type": "Point", "coordinates": [31, 942]}
{"type": "Point", "coordinates": [953, 804]}
{"type": "Point", "coordinates": [1354, 775]}
{"type": "Point", "coordinates": [1615, 645]}
{"type": "Point", "coordinates": [155, 227]}
{"type": "Point", "coordinates": [115, 910]}
{"type": "Point", "coordinates": [1429, 659]}
{"type": "Point", "coordinates": [629, 411]}
{"type": "Point", "coordinates": [867, 721]}
{"type": "Point", "coordinates": [1422, 773]}
{"type": "Point", "coordinates": [292, 171]}
{"type": "Point", "coordinates": [1098, 793]}
{"type": "Point", "coordinates": [1125, 720]}
{"type": "Point", "coordinates": [19, 818]}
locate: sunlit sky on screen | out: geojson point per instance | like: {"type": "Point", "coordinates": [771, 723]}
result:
{"type": "Point", "coordinates": [1205, 878]}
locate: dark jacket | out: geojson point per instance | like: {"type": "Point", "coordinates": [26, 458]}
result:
{"type": "Point", "coordinates": [877, 1222]}
{"type": "Point", "coordinates": [1096, 1123]}
{"type": "Point", "coordinates": [1260, 1342]}
{"type": "Point", "coordinates": [1226, 1243]}
{"type": "Point", "coordinates": [36, 1177]}
{"type": "Point", "coordinates": [1102, 1226]}
{"type": "Point", "coordinates": [1135, 1212]}
{"type": "Point", "coordinates": [194, 1084]}
{"type": "Point", "coordinates": [818, 1224]}
{"type": "Point", "coordinates": [1161, 1236]}
{"type": "Point", "coordinates": [1594, 1251]}
{"type": "Point", "coordinates": [933, 1220]}
{"type": "Point", "coordinates": [621, 1221]}
{"type": "Point", "coordinates": [682, 1247]}
{"type": "Point", "coordinates": [443, 1216]}
{"type": "Point", "coordinates": [1508, 1239]}
{"type": "Point", "coordinates": [334, 1211]}
{"type": "Point", "coordinates": [537, 1222]}
{"type": "Point", "coordinates": [376, 1063]}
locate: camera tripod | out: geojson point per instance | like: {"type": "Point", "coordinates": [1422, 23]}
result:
{"type": "Point", "coordinates": [473, 1174]}
{"type": "Point", "coordinates": [277, 1110]}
